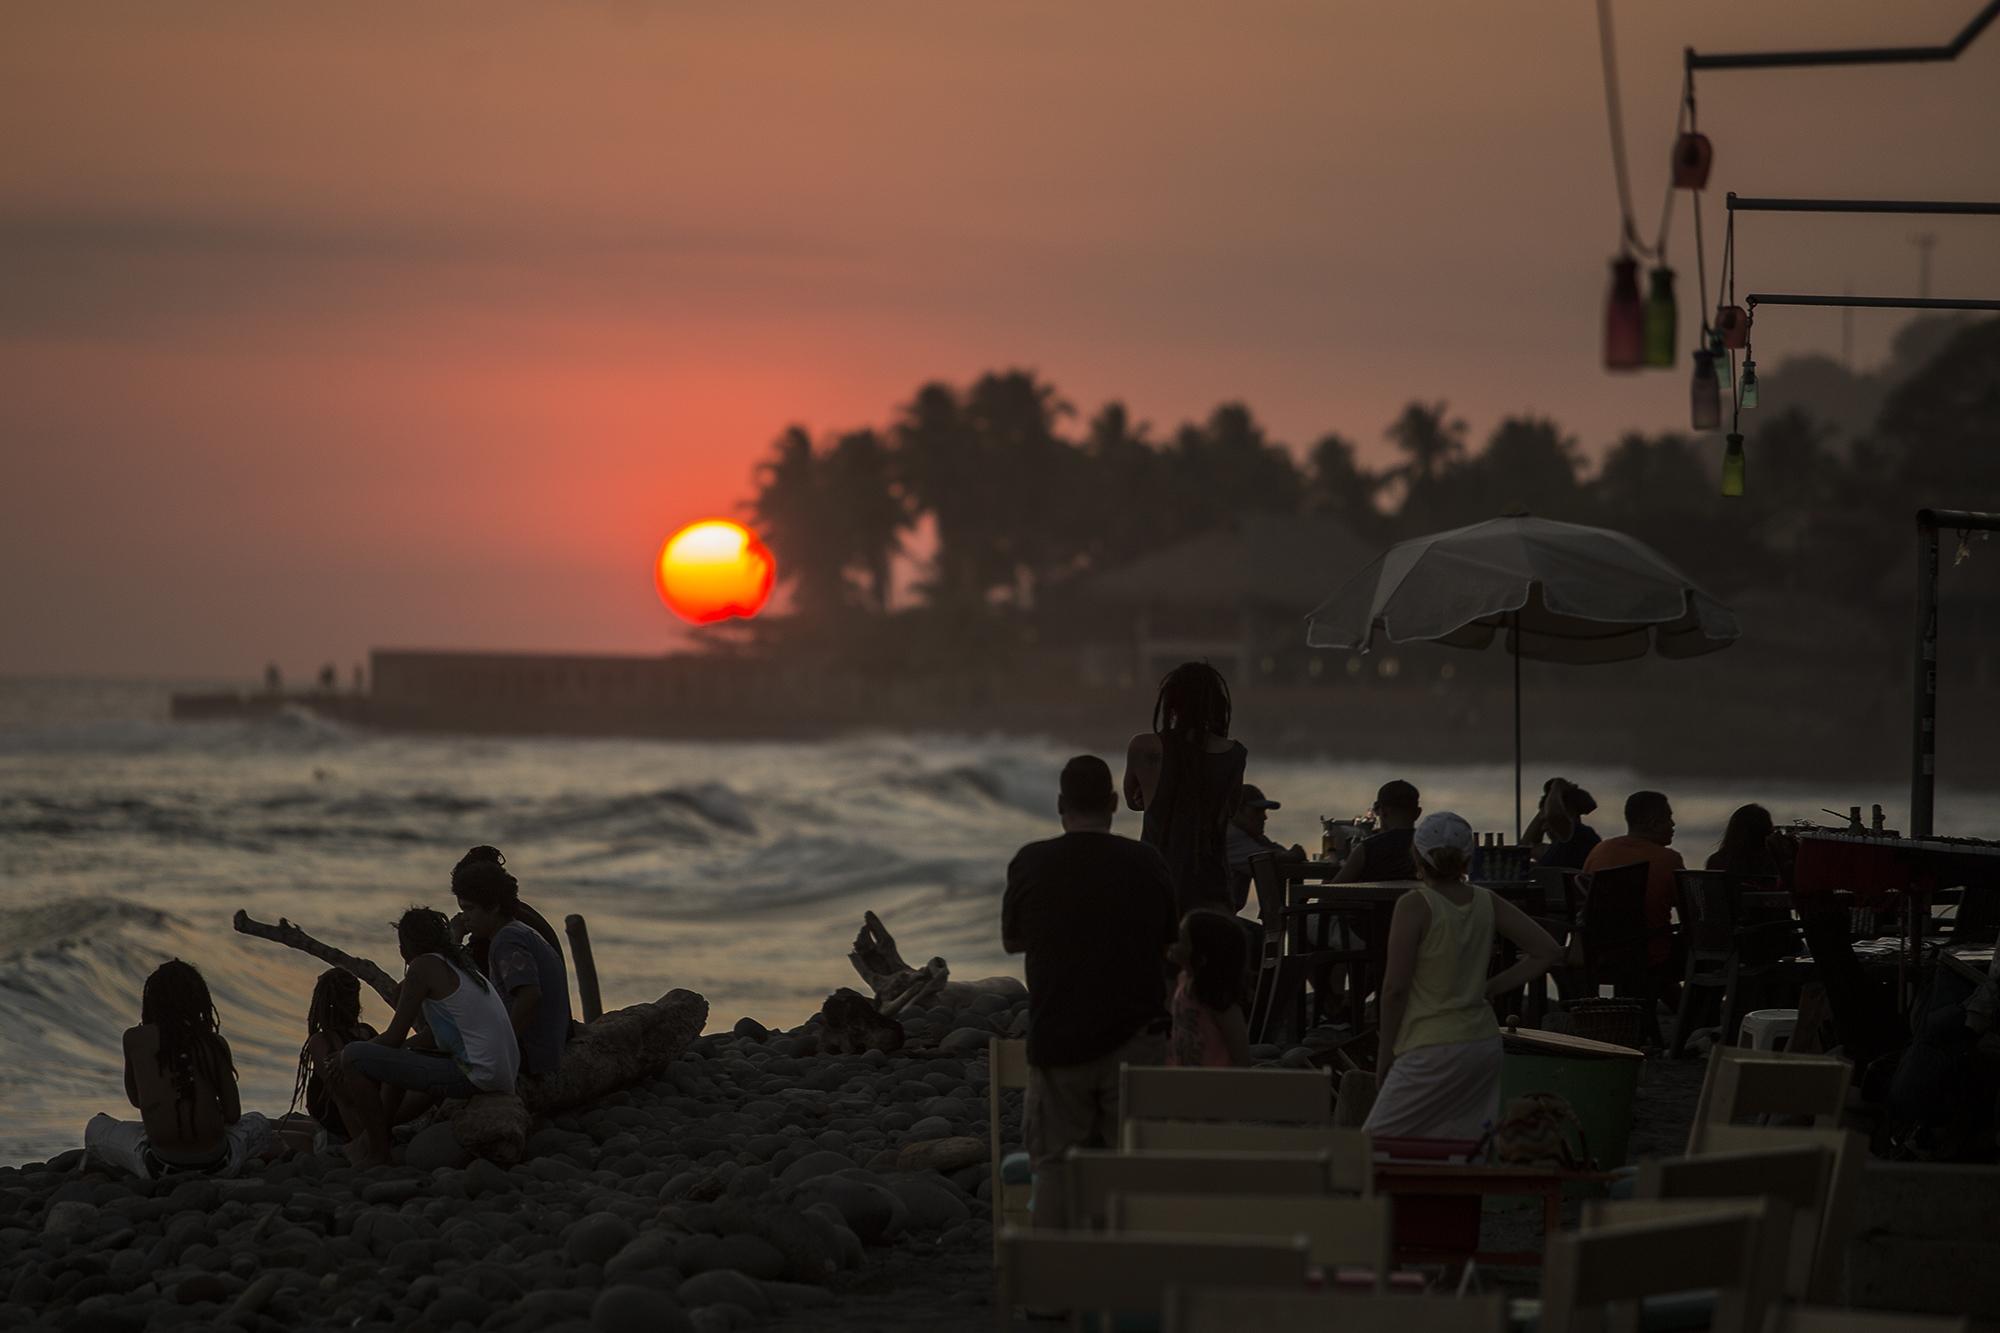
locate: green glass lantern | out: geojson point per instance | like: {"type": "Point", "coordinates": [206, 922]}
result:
{"type": "Point", "coordinates": [1732, 467]}
{"type": "Point", "coordinates": [1662, 319]}
{"type": "Point", "coordinates": [1720, 354]}
{"type": "Point", "coordinates": [1748, 398]}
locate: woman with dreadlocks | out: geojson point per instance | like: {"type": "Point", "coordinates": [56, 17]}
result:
{"type": "Point", "coordinates": [1184, 775]}
{"type": "Point", "coordinates": [178, 1072]}
{"type": "Point", "coordinates": [476, 1048]}
{"type": "Point", "coordinates": [332, 1021]}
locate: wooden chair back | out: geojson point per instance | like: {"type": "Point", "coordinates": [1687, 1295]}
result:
{"type": "Point", "coordinates": [1588, 1276]}
{"type": "Point", "coordinates": [1132, 1273]}
{"type": "Point", "coordinates": [1282, 1096]}
{"type": "Point", "coordinates": [1095, 1176]}
{"type": "Point", "coordinates": [1269, 881]}
{"type": "Point", "coordinates": [1741, 1083]}
{"type": "Point", "coordinates": [1339, 1232]}
{"type": "Point", "coordinates": [1612, 920]}
{"type": "Point", "coordinates": [1765, 1283]}
{"type": "Point", "coordinates": [1797, 1176]}
{"type": "Point", "coordinates": [1849, 1152]}
{"type": "Point", "coordinates": [1350, 1153]}
{"type": "Point", "coordinates": [1804, 1319]}
{"type": "Point", "coordinates": [1193, 1309]}
{"type": "Point", "coordinates": [1006, 1068]}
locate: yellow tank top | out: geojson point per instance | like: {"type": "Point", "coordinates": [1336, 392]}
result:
{"type": "Point", "coordinates": [1448, 993]}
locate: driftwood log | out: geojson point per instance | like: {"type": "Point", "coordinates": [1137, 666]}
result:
{"type": "Point", "coordinates": [853, 1025]}
{"type": "Point", "coordinates": [292, 937]}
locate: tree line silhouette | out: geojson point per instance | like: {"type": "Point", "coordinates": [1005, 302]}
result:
{"type": "Point", "coordinates": [1020, 496]}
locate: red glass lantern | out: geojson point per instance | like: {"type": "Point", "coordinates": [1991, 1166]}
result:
{"type": "Point", "coordinates": [1733, 323]}
{"type": "Point", "coordinates": [1693, 156]}
{"type": "Point", "coordinates": [1624, 318]}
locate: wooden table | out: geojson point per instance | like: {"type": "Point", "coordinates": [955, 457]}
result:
{"type": "Point", "coordinates": [1459, 1179]}
{"type": "Point", "coordinates": [1375, 900]}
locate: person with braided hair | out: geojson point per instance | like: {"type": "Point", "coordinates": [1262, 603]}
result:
{"type": "Point", "coordinates": [521, 962]}
{"type": "Point", "coordinates": [332, 1021]}
{"type": "Point", "coordinates": [1184, 776]}
{"type": "Point", "coordinates": [179, 1073]}
{"type": "Point", "coordinates": [478, 867]}
{"type": "Point", "coordinates": [476, 1047]}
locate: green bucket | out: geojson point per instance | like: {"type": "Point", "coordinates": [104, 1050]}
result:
{"type": "Point", "coordinates": [1597, 1079]}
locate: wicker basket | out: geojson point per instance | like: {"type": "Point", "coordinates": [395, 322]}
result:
{"type": "Point", "coordinates": [1620, 1022]}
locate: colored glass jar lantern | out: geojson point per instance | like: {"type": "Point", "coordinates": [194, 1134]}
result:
{"type": "Point", "coordinates": [1733, 323]}
{"type": "Point", "coordinates": [1705, 395]}
{"type": "Point", "coordinates": [1693, 156]}
{"type": "Point", "coordinates": [1732, 466]}
{"type": "Point", "coordinates": [1662, 319]}
{"type": "Point", "coordinates": [1624, 318]}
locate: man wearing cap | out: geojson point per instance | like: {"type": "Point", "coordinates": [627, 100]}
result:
{"type": "Point", "coordinates": [1094, 913]}
{"type": "Point", "coordinates": [1385, 853]}
{"type": "Point", "coordinates": [1247, 838]}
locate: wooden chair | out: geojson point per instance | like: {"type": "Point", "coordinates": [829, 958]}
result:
{"type": "Point", "coordinates": [1193, 1309]}
{"type": "Point", "coordinates": [1849, 1153]}
{"type": "Point", "coordinates": [1278, 1096]}
{"type": "Point", "coordinates": [1730, 944]}
{"type": "Point", "coordinates": [1766, 1280]}
{"type": "Point", "coordinates": [1803, 1319]}
{"type": "Point", "coordinates": [1281, 983]}
{"type": "Point", "coordinates": [1340, 1233]}
{"type": "Point", "coordinates": [1742, 1083]}
{"type": "Point", "coordinates": [1093, 1176]}
{"type": "Point", "coordinates": [1006, 1067]}
{"type": "Point", "coordinates": [1798, 1177]}
{"type": "Point", "coordinates": [1350, 1153]}
{"type": "Point", "coordinates": [1131, 1273]}
{"type": "Point", "coordinates": [1587, 1273]}
{"type": "Point", "coordinates": [1610, 945]}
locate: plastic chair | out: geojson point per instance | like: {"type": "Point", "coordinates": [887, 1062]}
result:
{"type": "Point", "coordinates": [1351, 1153]}
{"type": "Point", "coordinates": [1768, 1029]}
{"type": "Point", "coordinates": [1006, 1067]}
{"type": "Point", "coordinates": [1768, 1273]}
{"type": "Point", "coordinates": [1611, 943]}
{"type": "Point", "coordinates": [1586, 1273]}
{"type": "Point", "coordinates": [1193, 1309]}
{"type": "Point", "coordinates": [1339, 1232]}
{"type": "Point", "coordinates": [1278, 1096]}
{"type": "Point", "coordinates": [1718, 1056]}
{"type": "Point", "coordinates": [1131, 1274]}
{"type": "Point", "coordinates": [1094, 1176]}
{"type": "Point", "coordinates": [1743, 1083]}
{"type": "Point", "coordinates": [1798, 1176]}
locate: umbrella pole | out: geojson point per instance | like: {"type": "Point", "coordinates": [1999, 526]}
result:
{"type": "Point", "coordinates": [1517, 727]}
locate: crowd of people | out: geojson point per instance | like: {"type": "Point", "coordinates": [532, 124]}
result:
{"type": "Point", "coordinates": [1138, 951]}
{"type": "Point", "coordinates": [483, 1004]}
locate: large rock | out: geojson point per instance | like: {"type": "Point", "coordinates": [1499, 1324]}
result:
{"type": "Point", "coordinates": [597, 1238]}
{"type": "Point", "coordinates": [492, 1125]}
{"type": "Point", "coordinates": [852, 1024]}
{"type": "Point", "coordinates": [965, 1041]}
{"type": "Point", "coordinates": [725, 1287]}
{"type": "Point", "coordinates": [71, 1217]}
{"type": "Point", "coordinates": [870, 1212]}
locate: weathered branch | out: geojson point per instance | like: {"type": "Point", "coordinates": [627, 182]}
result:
{"type": "Point", "coordinates": [292, 937]}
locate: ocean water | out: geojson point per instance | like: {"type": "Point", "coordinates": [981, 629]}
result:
{"type": "Point", "coordinates": [740, 870]}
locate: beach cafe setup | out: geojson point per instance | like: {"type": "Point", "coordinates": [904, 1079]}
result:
{"type": "Point", "coordinates": [1241, 1198]}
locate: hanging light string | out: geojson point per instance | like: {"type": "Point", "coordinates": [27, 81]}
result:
{"type": "Point", "coordinates": [1700, 258]}
{"type": "Point", "coordinates": [1614, 116]}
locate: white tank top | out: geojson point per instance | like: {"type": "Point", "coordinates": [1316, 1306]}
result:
{"type": "Point", "coordinates": [472, 1024]}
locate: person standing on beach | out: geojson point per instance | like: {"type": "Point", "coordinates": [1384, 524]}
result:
{"type": "Point", "coordinates": [179, 1073]}
{"type": "Point", "coordinates": [1094, 913]}
{"type": "Point", "coordinates": [527, 970]}
{"type": "Point", "coordinates": [1183, 776]}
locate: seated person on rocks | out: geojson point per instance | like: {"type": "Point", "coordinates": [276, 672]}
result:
{"type": "Point", "coordinates": [472, 863]}
{"type": "Point", "coordinates": [1094, 913]}
{"type": "Point", "coordinates": [477, 1051]}
{"type": "Point", "coordinates": [1207, 1007]}
{"type": "Point", "coordinates": [179, 1073]}
{"type": "Point", "coordinates": [1246, 838]}
{"type": "Point", "coordinates": [529, 974]}
{"type": "Point", "coordinates": [332, 1021]}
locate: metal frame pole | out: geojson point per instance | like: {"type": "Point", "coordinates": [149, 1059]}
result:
{"type": "Point", "coordinates": [1736, 203]}
{"type": "Point", "coordinates": [1923, 707]}
{"type": "Point", "coordinates": [1862, 55]}
{"type": "Point", "coordinates": [1875, 302]}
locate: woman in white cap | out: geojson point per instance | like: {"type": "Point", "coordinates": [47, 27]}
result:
{"type": "Point", "coordinates": [1438, 1072]}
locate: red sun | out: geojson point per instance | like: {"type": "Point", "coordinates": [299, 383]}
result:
{"type": "Point", "coordinates": [713, 570]}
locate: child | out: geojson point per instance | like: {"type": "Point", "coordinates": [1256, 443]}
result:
{"type": "Point", "coordinates": [1438, 1072]}
{"type": "Point", "coordinates": [477, 1052]}
{"type": "Point", "coordinates": [178, 1072]}
{"type": "Point", "coordinates": [332, 1021]}
{"type": "Point", "coordinates": [1208, 1001]}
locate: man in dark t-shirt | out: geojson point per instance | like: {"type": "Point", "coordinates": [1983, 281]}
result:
{"type": "Point", "coordinates": [1094, 913]}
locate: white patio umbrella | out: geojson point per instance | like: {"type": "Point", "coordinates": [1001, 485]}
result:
{"type": "Point", "coordinates": [1562, 592]}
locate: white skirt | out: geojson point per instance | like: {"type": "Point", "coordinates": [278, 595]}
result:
{"type": "Point", "coordinates": [1450, 1091]}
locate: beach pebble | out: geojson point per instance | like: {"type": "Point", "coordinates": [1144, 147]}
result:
{"type": "Point", "coordinates": [751, 1029]}
{"type": "Point", "coordinates": [932, 1207]}
{"type": "Point", "coordinates": [815, 1164]}
{"type": "Point", "coordinates": [597, 1238]}
{"type": "Point", "coordinates": [725, 1286]}
{"type": "Point", "coordinates": [869, 1211]}
{"type": "Point", "coordinates": [456, 1305]}
{"type": "Point", "coordinates": [745, 1253]}
{"type": "Point", "coordinates": [797, 1295]}
{"type": "Point", "coordinates": [720, 1318]}
{"type": "Point", "coordinates": [632, 1309]}
{"type": "Point", "coordinates": [943, 1154]}
{"type": "Point", "coordinates": [950, 1108]}
{"type": "Point", "coordinates": [643, 1257]}
{"type": "Point", "coordinates": [380, 1232]}
{"type": "Point", "coordinates": [483, 1178]}
{"type": "Point", "coordinates": [930, 1127]}
{"type": "Point", "coordinates": [72, 1216]}
{"type": "Point", "coordinates": [555, 1170]}
{"type": "Point", "coordinates": [200, 1287]}
{"type": "Point", "coordinates": [435, 1146]}
{"type": "Point", "coordinates": [390, 1192]}
{"type": "Point", "coordinates": [965, 1041]}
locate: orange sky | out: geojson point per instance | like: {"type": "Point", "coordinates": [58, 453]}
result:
{"type": "Point", "coordinates": [366, 324]}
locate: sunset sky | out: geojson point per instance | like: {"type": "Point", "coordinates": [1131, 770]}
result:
{"type": "Point", "coordinates": [336, 326]}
